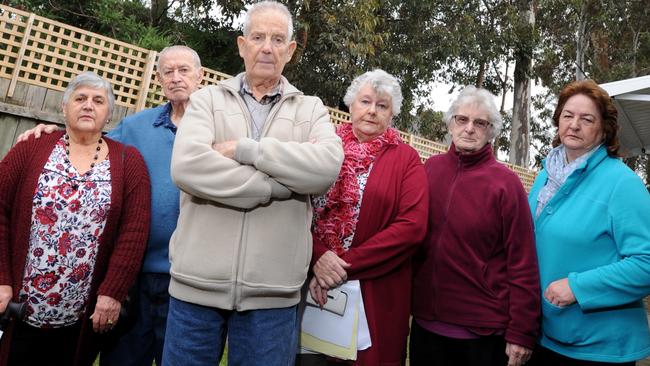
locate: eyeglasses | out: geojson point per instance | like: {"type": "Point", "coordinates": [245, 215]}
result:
{"type": "Point", "coordinates": [479, 123]}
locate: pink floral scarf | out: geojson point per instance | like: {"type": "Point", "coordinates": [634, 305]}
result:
{"type": "Point", "coordinates": [336, 220]}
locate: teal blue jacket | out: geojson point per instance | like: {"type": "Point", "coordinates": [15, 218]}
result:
{"type": "Point", "coordinates": [596, 232]}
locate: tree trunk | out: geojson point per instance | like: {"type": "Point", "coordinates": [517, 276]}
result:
{"type": "Point", "coordinates": [158, 11]}
{"type": "Point", "coordinates": [480, 78]}
{"type": "Point", "coordinates": [520, 131]}
{"type": "Point", "coordinates": [504, 89]}
{"type": "Point", "coordinates": [581, 42]}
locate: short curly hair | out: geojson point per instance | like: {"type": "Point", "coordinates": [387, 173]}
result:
{"type": "Point", "coordinates": [382, 83]}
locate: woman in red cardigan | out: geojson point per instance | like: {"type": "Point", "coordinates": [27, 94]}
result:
{"type": "Point", "coordinates": [370, 222]}
{"type": "Point", "coordinates": [74, 218]}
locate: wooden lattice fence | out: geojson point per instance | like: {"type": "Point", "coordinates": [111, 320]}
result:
{"type": "Point", "coordinates": [41, 53]}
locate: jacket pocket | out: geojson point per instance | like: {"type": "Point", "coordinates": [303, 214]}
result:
{"type": "Point", "coordinates": [278, 245]}
{"type": "Point", "coordinates": [203, 245]}
{"type": "Point", "coordinates": [484, 282]}
{"type": "Point", "coordinates": [562, 324]}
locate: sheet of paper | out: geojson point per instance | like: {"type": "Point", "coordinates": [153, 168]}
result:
{"type": "Point", "coordinates": [363, 332]}
{"type": "Point", "coordinates": [334, 328]}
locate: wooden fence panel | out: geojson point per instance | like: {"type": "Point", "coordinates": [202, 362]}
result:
{"type": "Point", "coordinates": [38, 56]}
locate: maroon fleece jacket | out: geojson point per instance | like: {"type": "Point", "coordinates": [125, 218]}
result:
{"type": "Point", "coordinates": [478, 266]}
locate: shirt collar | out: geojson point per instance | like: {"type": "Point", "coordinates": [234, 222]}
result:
{"type": "Point", "coordinates": [165, 118]}
{"type": "Point", "coordinates": [271, 97]}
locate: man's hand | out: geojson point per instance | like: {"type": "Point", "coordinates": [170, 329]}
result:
{"type": "Point", "coordinates": [226, 148]}
{"type": "Point", "coordinates": [329, 270]}
{"type": "Point", "coordinates": [559, 293]}
{"type": "Point", "coordinates": [517, 355]}
{"type": "Point", "coordinates": [107, 312]}
{"type": "Point", "coordinates": [37, 131]}
{"type": "Point", "coordinates": [6, 293]}
{"type": "Point", "coordinates": [318, 293]}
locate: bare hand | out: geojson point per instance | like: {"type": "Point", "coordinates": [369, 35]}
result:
{"type": "Point", "coordinates": [37, 131]}
{"type": "Point", "coordinates": [226, 148]}
{"type": "Point", "coordinates": [6, 293]}
{"type": "Point", "coordinates": [517, 355]}
{"type": "Point", "coordinates": [107, 312]}
{"type": "Point", "coordinates": [317, 293]}
{"type": "Point", "coordinates": [559, 293]}
{"type": "Point", "coordinates": [329, 270]}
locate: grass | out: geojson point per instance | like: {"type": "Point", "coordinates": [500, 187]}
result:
{"type": "Point", "coordinates": [224, 359]}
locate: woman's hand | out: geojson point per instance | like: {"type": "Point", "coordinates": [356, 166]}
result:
{"type": "Point", "coordinates": [6, 293]}
{"type": "Point", "coordinates": [517, 355]}
{"type": "Point", "coordinates": [559, 293]}
{"type": "Point", "coordinates": [329, 270]}
{"type": "Point", "coordinates": [107, 312]}
{"type": "Point", "coordinates": [319, 294]}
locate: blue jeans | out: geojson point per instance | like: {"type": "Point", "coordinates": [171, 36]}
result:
{"type": "Point", "coordinates": [196, 335]}
{"type": "Point", "coordinates": [143, 343]}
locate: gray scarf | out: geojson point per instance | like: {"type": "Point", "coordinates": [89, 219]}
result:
{"type": "Point", "coordinates": [558, 170]}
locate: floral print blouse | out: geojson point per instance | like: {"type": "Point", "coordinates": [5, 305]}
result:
{"type": "Point", "coordinates": [69, 212]}
{"type": "Point", "coordinates": [320, 201]}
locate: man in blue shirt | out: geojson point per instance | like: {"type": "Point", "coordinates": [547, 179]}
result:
{"type": "Point", "coordinates": [152, 132]}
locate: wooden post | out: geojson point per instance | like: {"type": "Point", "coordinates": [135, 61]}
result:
{"type": "Point", "coordinates": [146, 81]}
{"type": "Point", "coordinates": [21, 55]}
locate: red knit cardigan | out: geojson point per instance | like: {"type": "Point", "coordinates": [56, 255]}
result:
{"type": "Point", "coordinates": [392, 223]}
{"type": "Point", "coordinates": [121, 246]}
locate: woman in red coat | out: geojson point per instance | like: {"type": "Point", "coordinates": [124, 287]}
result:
{"type": "Point", "coordinates": [74, 218]}
{"type": "Point", "coordinates": [370, 222]}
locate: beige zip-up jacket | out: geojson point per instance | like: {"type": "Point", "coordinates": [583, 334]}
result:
{"type": "Point", "coordinates": [243, 238]}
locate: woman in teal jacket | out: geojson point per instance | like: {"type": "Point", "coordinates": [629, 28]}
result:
{"type": "Point", "coordinates": [592, 227]}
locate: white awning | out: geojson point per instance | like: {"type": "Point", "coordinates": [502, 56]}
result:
{"type": "Point", "coordinates": [632, 99]}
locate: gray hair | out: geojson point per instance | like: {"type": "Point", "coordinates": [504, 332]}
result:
{"type": "Point", "coordinates": [382, 83]}
{"type": "Point", "coordinates": [481, 99]}
{"type": "Point", "coordinates": [195, 56]}
{"type": "Point", "coordinates": [91, 80]}
{"type": "Point", "coordinates": [263, 6]}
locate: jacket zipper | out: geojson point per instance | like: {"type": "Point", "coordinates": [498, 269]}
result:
{"type": "Point", "coordinates": [239, 265]}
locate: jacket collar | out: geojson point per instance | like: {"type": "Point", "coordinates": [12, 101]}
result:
{"type": "Point", "coordinates": [484, 155]}
{"type": "Point", "coordinates": [590, 164]}
{"type": "Point", "coordinates": [580, 172]}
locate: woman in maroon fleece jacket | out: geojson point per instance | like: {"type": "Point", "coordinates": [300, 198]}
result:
{"type": "Point", "coordinates": [476, 285]}
{"type": "Point", "coordinates": [74, 218]}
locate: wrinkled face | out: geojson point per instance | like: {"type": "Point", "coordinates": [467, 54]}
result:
{"type": "Point", "coordinates": [87, 110]}
{"type": "Point", "coordinates": [580, 126]}
{"type": "Point", "coordinates": [370, 113]}
{"type": "Point", "coordinates": [468, 130]}
{"type": "Point", "coordinates": [267, 48]}
{"type": "Point", "coordinates": [178, 75]}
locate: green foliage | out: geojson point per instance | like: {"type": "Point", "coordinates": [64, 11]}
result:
{"type": "Point", "coordinates": [126, 20]}
{"type": "Point", "coordinates": [459, 42]}
{"type": "Point", "coordinates": [429, 124]}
